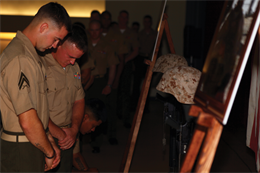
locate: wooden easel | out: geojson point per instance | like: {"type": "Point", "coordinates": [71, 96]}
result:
{"type": "Point", "coordinates": [206, 137]}
{"type": "Point", "coordinates": [126, 161]}
{"type": "Point", "coordinates": [207, 134]}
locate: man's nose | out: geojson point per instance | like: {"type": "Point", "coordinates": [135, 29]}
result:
{"type": "Point", "coordinates": [54, 45]}
{"type": "Point", "coordinates": [72, 61]}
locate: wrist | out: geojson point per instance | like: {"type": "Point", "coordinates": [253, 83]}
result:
{"type": "Point", "coordinates": [75, 129]}
{"type": "Point", "coordinates": [61, 135]}
{"type": "Point", "coordinates": [51, 157]}
{"type": "Point", "coordinates": [109, 85]}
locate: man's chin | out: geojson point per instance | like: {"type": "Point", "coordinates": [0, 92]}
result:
{"type": "Point", "coordinates": [43, 52]}
{"type": "Point", "coordinates": [85, 132]}
{"type": "Point", "coordinates": [88, 132]}
{"type": "Point", "coordinates": [40, 49]}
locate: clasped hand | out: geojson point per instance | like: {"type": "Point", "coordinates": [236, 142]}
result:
{"type": "Point", "coordinates": [69, 140]}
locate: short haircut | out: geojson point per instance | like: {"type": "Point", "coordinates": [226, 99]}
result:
{"type": "Point", "coordinates": [124, 11]}
{"type": "Point", "coordinates": [106, 13]}
{"type": "Point", "coordinates": [96, 109]}
{"type": "Point", "coordinates": [79, 37]}
{"type": "Point", "coordinates": [55, 12]}
{"type": "Point", "coordinates": [136, 23]}
{"type": "Point", "coordinates": [95, 11]}
{"type": "Point", "coordinates": [95, 21]}
{"type": "Point", "coordinates": [80, 24]}
{"type": "Point", "coordinates": [148, 16]}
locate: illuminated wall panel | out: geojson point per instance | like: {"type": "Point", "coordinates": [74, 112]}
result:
{"type": "Point", "coordinates": [75, 8]}
{"type": "Point", "coordinates": [17, 14]}
{"type": "Point", "coordinates": [5, 38]}
{"type": "Point", "coordinates": [3, 44]}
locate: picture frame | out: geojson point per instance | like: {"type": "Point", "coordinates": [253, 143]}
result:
{"type": "Point", "coordinates": [227, 57]}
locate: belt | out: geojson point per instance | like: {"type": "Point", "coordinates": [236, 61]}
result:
{"type": "Point", "coordinates": [15, 136]}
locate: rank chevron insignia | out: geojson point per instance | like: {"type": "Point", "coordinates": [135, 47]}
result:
{"type": "Point", "coordinates": [23, 81]}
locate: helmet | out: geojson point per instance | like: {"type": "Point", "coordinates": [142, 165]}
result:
{"type": "Point", "coordinates": [181, 82]}
{"type": "Point", "coordinates": [168, 61]}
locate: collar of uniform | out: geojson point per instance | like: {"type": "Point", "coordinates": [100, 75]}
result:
{"type": "Point", "coordinates": [28, 44]}
{"type": "Point", "coordinates": [100, 42]}
{"type": "Point", "coordinates": [109, 32]}
{"type": "Point", "coordinates": [127, 30]}
{"type": "Point", "coordinates": [50, 61]}
{"type": "Point", "coordinates": [117, 30]}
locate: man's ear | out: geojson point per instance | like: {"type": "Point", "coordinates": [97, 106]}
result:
{"type": "Point", "coordinates": [86, 117]}
{"type": "Point", "coordinates": [43, 27]}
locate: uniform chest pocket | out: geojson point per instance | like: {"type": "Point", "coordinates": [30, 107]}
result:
{"type": "Point", "coordinates": [74, 87]}
{"type": "Point", "coordinates": [55, 85]}
{"type": "Point", "coordinates": [42, 87]}
{"type": "Point", "coordinates": [55, 92]}
{"type": "Point", "coordinates": [101, 62]}
{"type": "Point", "coordinates": [77, 84]}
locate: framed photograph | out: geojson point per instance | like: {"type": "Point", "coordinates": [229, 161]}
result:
{"type": "Point", "coordinates": [227, 57]}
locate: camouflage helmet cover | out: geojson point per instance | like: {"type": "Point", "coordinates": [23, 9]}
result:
{"type": "Point", "coordinates": [181, 82]}
{"type": "Point", "coordinates": [168, 61]}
